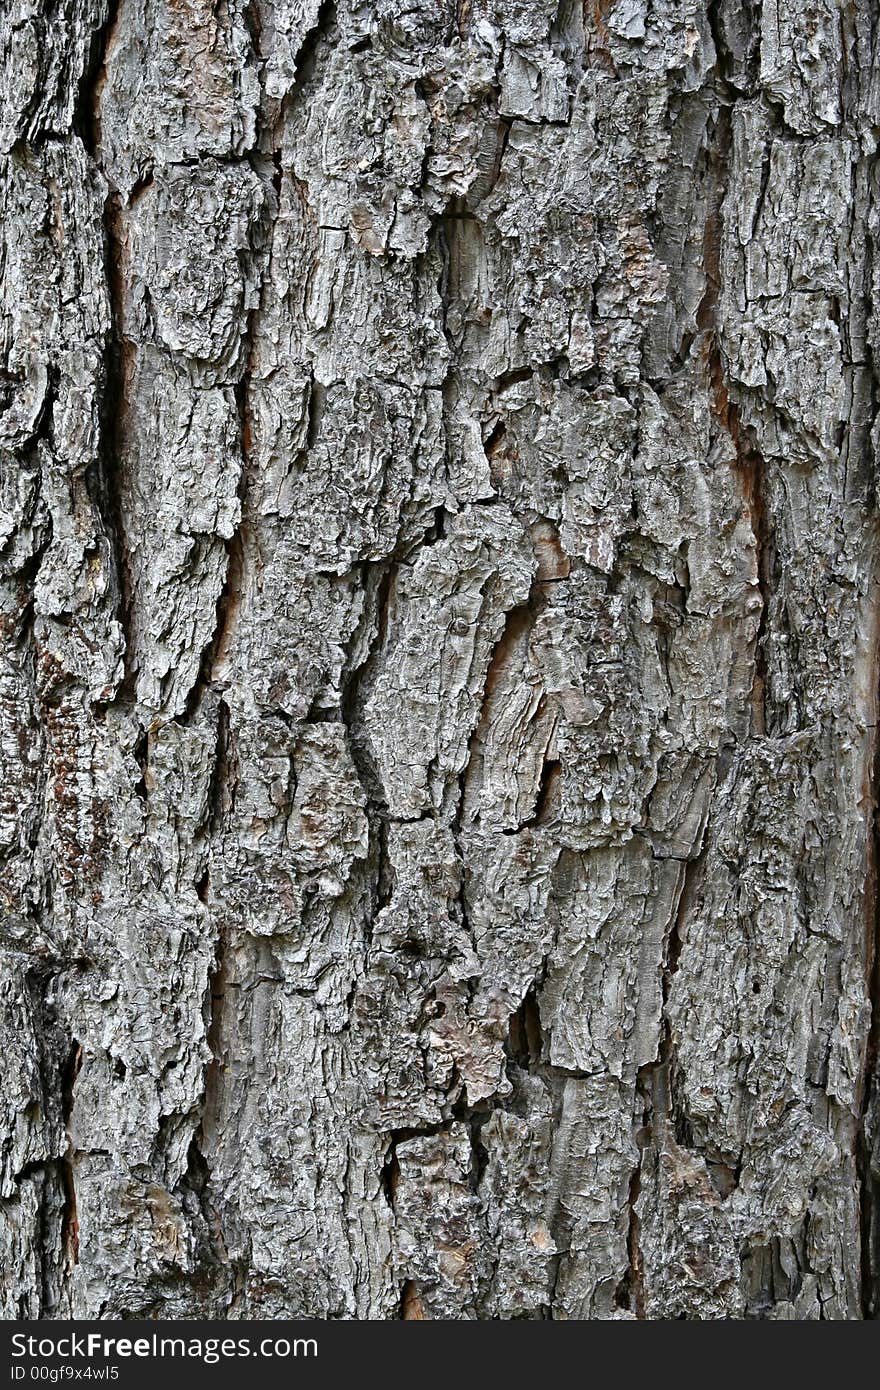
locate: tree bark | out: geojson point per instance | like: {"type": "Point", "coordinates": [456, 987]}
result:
{"type": "Point", "coordinates": [439, 659]}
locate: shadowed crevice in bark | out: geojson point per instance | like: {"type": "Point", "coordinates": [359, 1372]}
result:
{"type": "Point", "coordinates": [117, 368]}
{"type": "Point", "coordinates": [87, 116]}
{"type": "Point", "coordinates": [525, 1038]}
{"type": "Point", "coordinates": [751, 468]}
{"type": "Point", "coordinates": [630, 1293]}
{"type": "Point", "coordinates": [70, 1219]}
{"type": "Point", "coordinates": [227, 610]}
{"type": "Point", "coordinates": [868, 1132]}
{"type": "Point", "coordinates": [411, 1308]}
{"type": "Point", "coordinates": [660, 1115]}
{"type": "Point", "coordinates": [862, 446]}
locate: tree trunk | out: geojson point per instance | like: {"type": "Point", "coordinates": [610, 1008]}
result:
{"type": "Point", "coordinates": [439, 668]}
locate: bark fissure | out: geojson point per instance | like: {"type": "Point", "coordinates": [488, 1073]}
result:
{"type": "Point", "coordinates": [868, 1130]}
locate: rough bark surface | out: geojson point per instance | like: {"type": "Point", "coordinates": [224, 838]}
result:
{"type": "Point", "coordinates": [439, 639]}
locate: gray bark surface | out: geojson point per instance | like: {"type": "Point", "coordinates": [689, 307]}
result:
{"type": "Point", "coordinates": [439, 659]}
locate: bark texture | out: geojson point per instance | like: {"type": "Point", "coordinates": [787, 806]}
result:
{"type": "Point", "coordinates": [439, 645]}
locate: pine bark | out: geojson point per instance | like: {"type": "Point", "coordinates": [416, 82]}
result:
{"type": "Point", "coordinates": [439, 659]}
